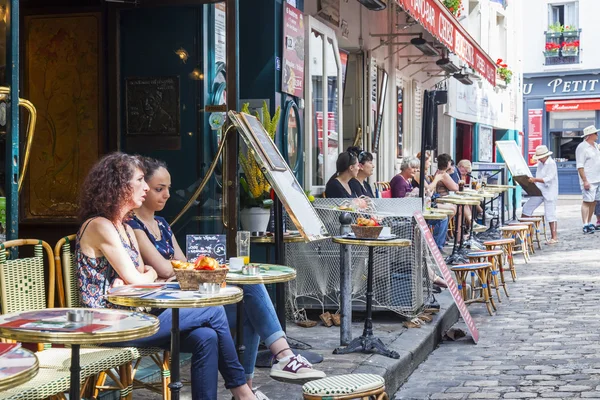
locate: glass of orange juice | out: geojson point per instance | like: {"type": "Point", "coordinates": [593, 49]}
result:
{"type": "Point", "coordinates": [243, 246]}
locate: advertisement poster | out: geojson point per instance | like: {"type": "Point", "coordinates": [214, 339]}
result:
{"type": "Point", "coordinates": [534, 136]}
{"type": "Point", "coordinates": [292, 81]}
{"type": "Point", "coordinates": [220, 33]}
{"type": "Point", "coordinates": [485, 144]}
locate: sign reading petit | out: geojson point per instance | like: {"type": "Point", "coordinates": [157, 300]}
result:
{"type": "Point", "coordinates": [440, 23]}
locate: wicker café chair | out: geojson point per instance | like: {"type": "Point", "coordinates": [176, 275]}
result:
{"type": "Point", "coordinates": [23, 288]}
{"type": "Point", "coordinates": [65, 273]}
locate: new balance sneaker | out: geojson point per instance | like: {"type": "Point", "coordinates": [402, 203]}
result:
{"type": "Point", "coordinates": [589, 228]}
{"type": "Point", "coordinates": [295, 369]}
{"type": "Point", "coordinates": [592, 228]}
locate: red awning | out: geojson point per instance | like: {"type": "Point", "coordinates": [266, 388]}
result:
{"type": "Point", "coordinates": [440, 22]}
{"type": "Point", "coordinates": [573, 105]}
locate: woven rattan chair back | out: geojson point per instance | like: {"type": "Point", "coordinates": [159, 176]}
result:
{"type": "Point", "coordinates": [64, 258]}
{"type": "Point", "coordinates": [22, 280]}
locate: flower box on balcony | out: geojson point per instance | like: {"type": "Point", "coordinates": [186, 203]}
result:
{"type": "Point", "coordinates": [570, 34]}
{"type": "Point", "coordinates": [553, 34]}
{"type": "Point", "coordinates": [572, 52]}
{"type": "Point", "coordinates": [551, 53]}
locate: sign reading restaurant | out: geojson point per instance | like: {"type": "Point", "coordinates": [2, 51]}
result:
{"type": "Point", "coordinates": [438, 21]}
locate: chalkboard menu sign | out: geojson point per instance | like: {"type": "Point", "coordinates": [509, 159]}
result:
{"type": "Point", "coordinates": [206, 245]}
{"type": "Point", "coordinates": [265, 143]}
{"type": "Point", "coordinates": [152, 106]}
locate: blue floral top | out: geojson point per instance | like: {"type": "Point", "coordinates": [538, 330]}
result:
{"type": "Point", "coordinates": [95, 274]}
{"type": "Point", "coordinates": [164, 245]}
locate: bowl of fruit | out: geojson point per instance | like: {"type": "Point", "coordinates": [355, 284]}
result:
{"type": "Point", "coordinates": [205, 270]}
{"type": "Point", "coordinates": [366, 228]}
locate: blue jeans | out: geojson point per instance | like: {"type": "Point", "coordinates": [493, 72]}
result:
{"type": "Point", "coordinates": [205, 334]}
{"type": "Point", "coordinates": [440, 230]}
{"type": "Point", "coordinates": [259, 322]}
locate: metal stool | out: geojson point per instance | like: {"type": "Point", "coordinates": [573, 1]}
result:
{"type": "Point", "coordinates": [507, 248]}
{"type": "Point", "coordinates": [484, 273]}
{"type": "Point", "coordinates": [517, 232]}
{"type": "Point", "coordinates": [346, 387]}
{"type": "Point", "coordinates": [537, 221]}
{"type": "Point", "coordinates": [494, 257]}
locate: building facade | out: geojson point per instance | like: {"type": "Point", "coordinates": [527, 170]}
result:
{"type": "Point", "coordinates": [561, 86]}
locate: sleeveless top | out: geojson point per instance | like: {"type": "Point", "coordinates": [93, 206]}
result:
{"type": "Point", "coordinates": [441, 189]}
{"type": "Point", "coordinates": [95, 274]}
{"type": "Point", "coordinates": [164, 245]}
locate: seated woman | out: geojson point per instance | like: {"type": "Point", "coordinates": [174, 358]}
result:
{"type": "Point", "coordinates": [464, 169]}
{"type": "Point", "coordinates": [158, 246]}
{"type": "Point", "coordinates": [401, 187]}
{"type": "Point", "coordinates": [430, 183]}
{"type": "Point", "coordinates": [338, 186]}
{"type": "Point", "coordinates": [360, 184]}
{"type": "Point", "coordinates": [107, 251]}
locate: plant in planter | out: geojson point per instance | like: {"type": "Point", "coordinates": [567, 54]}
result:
{"type": "Point", "coordinates": [570, 49]}
{"type": "Point", "coordinates": [255, 199]}
{"type": "Point", "coordinates": [551, 49]}
{"type": "Point", "coordinates": [503, 72]}
{"type": "Point", "coordinates": [570, 31]}
{"type": "Point", "coordinates": [554, 30]}
{"type": "Point", "coordinates": [455, 7]}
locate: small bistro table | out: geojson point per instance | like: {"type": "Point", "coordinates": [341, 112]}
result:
{"type": "Point", "coordinates": [368, 343]}
{"type": "Point", "coordinates": [172, 297]}
{"type": "Point", "coordinates": [17, 367]}
{"type": "Point", "coordinates": [51, 326]}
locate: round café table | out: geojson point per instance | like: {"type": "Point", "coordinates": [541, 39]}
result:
{"type": "Point", "coordinates": [369, 343]}
{"type": "Point", "coordinates": [51, 326]}
{"type": "Point", "coordinates": [17, 367]}
{"type": "Point", "coordinates": [269, 273]}
{"type": "Point", "coordinates": [170, 296]}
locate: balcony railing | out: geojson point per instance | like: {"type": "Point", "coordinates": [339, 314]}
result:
{"type": "Point", "coordinates": [562, 47]}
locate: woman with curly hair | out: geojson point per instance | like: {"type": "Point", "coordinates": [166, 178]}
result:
{"type": "Point", "coordinates": [107, 251]}
{"type": "Point", "coordinates": [158, 245]}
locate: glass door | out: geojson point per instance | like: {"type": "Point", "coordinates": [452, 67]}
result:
{"type": "Point", "coordinates": [323, 105]}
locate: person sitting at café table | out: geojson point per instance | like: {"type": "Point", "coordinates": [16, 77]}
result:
{"type": "Point", "coordinates": [454, 174]}
{"type": "Point", "coordinates": [107, 254]}
{"type": "Point", "coordinates": [338, 186]}
{"type": "Point", "coordinates": [546, 179]}
{"type": "Point", "coordinates": [402, 187]}
{"type": "Point", "coordinates": [464, 169]}
{"type": "Point", "coordinates": [158, 246]}
{"type": "Point", "coordinates": [360, 184]}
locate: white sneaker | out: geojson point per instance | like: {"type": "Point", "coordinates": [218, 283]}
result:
{"type": "Point", "coordinates": [295, 369]}
{"type": "Point", "coordinates": [260, 395]}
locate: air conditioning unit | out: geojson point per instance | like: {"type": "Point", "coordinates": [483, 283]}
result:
{"type": "Point", "coordinates": [375, 5]}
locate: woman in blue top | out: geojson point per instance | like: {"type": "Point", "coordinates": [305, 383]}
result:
{"type": "Point", "coordinates": [159, 246]}
{"type": "Point", "coordinates": [107, 251]}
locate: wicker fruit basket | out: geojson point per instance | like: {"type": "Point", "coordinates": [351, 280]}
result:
{"type": "Point", "coordinates": [366, 232]}
{"type": "Point", "coordinates": [190, 279]}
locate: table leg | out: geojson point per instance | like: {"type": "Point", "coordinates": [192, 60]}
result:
{"type": "Point", "coordinates": [367, 343]}
{"type": "Point", "coordinates": [175, 384]}
{"type": "Point", "coordinates": [75, 389]}
{"type": "Point", "coordinates": [456, 257]}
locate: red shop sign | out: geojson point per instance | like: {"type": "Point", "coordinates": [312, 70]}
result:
{"type": "Point", "coordinates": [573, 105]}
{"type": "Point", "coordinates": [438, 21]}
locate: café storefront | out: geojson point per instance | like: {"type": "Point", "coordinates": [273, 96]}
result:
{"type": "Point", "coordinates": [556, 109]}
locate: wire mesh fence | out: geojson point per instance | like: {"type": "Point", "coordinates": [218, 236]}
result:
{"type": "Point", "coordinates": [401, 282]}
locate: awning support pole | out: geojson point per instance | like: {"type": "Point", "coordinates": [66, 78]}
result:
{"type": "Point", "coordinates": [12, 126]}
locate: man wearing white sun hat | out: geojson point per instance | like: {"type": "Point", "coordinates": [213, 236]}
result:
{"type": "Point", "coordinates": [546, 179]}
{"type": "Point", "coordinates": [587, 156]}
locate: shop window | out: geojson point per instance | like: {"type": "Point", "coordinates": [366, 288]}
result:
{"type": "Point", "coordinates": [323, 109]}
{"type": "Point", "coordinates": [566, 130]}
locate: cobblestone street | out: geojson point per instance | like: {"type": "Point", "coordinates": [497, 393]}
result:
{"type": "Point", "coordinates": [543, 342]}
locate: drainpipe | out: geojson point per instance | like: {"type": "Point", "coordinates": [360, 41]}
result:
{"type": "Point", "coordinates": [12, 126]}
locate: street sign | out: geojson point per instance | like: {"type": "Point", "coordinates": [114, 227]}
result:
{"type": "Point", "coordinates": [439, 260]}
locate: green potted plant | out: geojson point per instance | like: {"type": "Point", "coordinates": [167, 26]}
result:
{"type": "Point", "coordinates": [554, 30]}
{"type": "Point", "coordinates": [570, 48]}
{"type": "Point", "coordinates": [255, 198]}
{"type": "Point", "coordinates": [503, 72]}
{"type": "Point", "coordinates": [454, 6]}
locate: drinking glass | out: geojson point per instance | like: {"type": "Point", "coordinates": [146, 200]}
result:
{"type": "Point", "coordinates": [243, 246]}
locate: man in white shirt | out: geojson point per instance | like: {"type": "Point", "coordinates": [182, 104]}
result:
{"type": "Point", "coordinates": [546, 179]}
{"type": "Point", "coordinates": [587, 156]}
